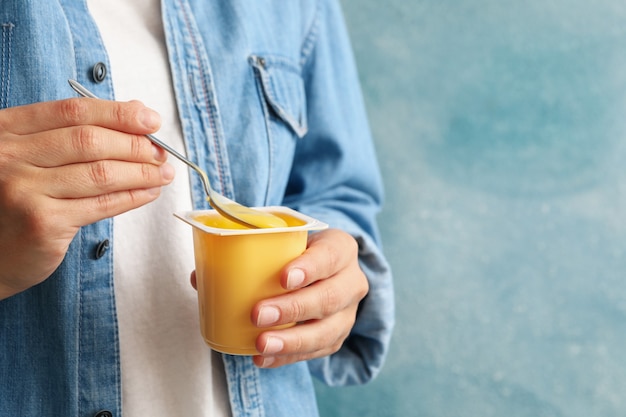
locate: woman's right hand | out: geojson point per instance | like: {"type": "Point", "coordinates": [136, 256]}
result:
{"type": "Point", "coordinates": [65, 164]}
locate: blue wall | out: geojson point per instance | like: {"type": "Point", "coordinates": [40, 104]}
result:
{"type": "Point", "coordinates": [501, 129]}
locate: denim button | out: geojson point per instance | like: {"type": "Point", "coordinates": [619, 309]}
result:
{"type": "Point", "coordinates": [103, 413]}
{"type": "Point", "coordinates": [99, 72]}
{"type": "Point", "coordinates": [102, 248]}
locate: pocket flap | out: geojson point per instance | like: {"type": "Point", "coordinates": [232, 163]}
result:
{"type": "Point", "coordinates": [283, 89]}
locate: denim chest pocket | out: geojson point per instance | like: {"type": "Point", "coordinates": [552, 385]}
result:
{"type": "Point", "coordinates": [282, 90]}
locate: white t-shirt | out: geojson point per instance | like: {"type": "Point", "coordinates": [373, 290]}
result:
{"type": "Point", "coordinates": [167, 370]}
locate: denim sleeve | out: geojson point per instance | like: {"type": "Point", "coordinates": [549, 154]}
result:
{"type": "Point", "coordinates": [335, 178]}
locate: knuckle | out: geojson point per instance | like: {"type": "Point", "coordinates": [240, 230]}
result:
{"type": "Point", "coordinates": [101, 175]}
{"type": "Point", "coordinates": [329, 300]}
{"type": "Point", "coordinates": [125, 113]}
{"type": "Point", "coordinates": [297, 311]}
{"type": "Point", "coordinates": [133, 198]}
{"type": "Point", "coordinates": [85, 140]}
{"type": "Point", "coordinates": [16, 196]}
{"type": "Point", "coordinates": [73, 111]}
{"type": "Point", "coordinates": [333, 345]}
{"type": "Point", "coordinates": [336, 340]}
{"type": "Point", "coordinates": [327, 339]}
{"type": "Point", "coordinates": [139, 148]}
{"type": "Point", "coordinates": [298, 344]}
{"type": "Point", "coordinates": [117, 202]}
{"type": "Point", "coordinates": [148, 174]}
{"type": "Point", "coordinates": [104, 203]}
{"type": "Point", "coordinates": [364, 287]}
{"type": "Point", "coordinates": [121, 113]}
{"type": "Point", "coordinates": [338, 344]}
{"type": "Point", "coordinates": [333, 258]}
{"type": "Point", "coordinates": [344, 245]}
{"type": "Point", "coordinates": [37, 223]}
{"type": "Point", "coordinates": [351, 243]}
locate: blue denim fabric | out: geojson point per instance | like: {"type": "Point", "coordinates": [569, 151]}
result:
{"type": "Point", "coordinates": [269, 104]}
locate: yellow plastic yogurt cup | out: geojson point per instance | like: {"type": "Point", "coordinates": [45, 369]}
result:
{"type": "Point", "coordinates": [236, 267]}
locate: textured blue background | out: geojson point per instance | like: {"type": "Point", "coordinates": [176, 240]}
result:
{"type": "Point", "coordinates": [501, 131]}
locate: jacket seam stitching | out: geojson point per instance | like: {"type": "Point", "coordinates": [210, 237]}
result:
{"type": "Point", "coordinates": [309, 41]}
{"type": "Point", "coordinates": [206, 94]}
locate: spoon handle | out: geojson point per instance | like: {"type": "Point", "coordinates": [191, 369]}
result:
{"type": "Point", "coordinates": [80, 89]}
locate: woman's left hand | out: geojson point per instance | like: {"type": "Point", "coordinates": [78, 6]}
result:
{"type": "Point", "coordinates": [327, 285]}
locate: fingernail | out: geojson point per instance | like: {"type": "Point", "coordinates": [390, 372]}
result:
{"type": "Point", "coordinates": [268, 361]}
{"type": "Point", "coordinates": [167, 172]}
{"type": "Point", "coordinates": [149, 118]}
{"type": "Point", "coordinates": [273, 345]}
{"type": "Point", "coordinates": [157, 152]}
{"type": "Point", "coordinates": [154, 191]}
{"type": "Point", "coordinates": [295, 278]}
{"type": "Point", "coordinates": [268, 316]}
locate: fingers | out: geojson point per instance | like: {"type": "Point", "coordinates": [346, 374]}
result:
{"type": "Point", "coordinates": [131, 117]}
{"type": "Point", "coordinates": [325, 312]}
{"type": "Point", "coordinates": [85, 151]}
{"type": "Point", "coordinates": [89, 210]}
{"type": "Point", "coordinates": [103, 177]}
{"type": "Point", "coordinates": [316, 301]}
{"type": "Point", "coordinates": [329, 285]}
{"type": "Point", "coordinates": [305, 341]}
{"type": "Point", "coordinates": [327, 253]}
{"type": "Point", "coordinates": [89, 143]}
{"type": "Point", "coordinates": [81, 144]}
{"type": "Point", "coordinates": [91, 190]}
{"type": "Point", "coordinates": [66, 164]}
{"type": "Point", "coordinates": [330, 254]}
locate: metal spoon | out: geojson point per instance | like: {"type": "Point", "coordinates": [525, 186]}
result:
{"type": "Point", "coordinates": [228, 208]}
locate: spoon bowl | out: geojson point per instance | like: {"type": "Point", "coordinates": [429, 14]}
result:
{"type": "Point", "coordinates": [228, 208]}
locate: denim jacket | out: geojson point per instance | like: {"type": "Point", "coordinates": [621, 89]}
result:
{"type": "Point", "coordinates": [270, 105]}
